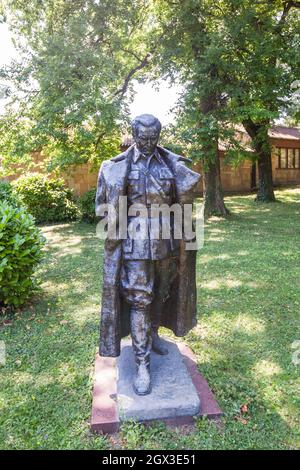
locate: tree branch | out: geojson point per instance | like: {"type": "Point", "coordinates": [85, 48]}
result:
{"type": "Point", "coordinates": [143, 63]}
{"type": "Point", "coordinates": [287, 7]}
{"type": "Point", "coordinates": [101, 135]}
{"type": "Point", "coordinates": [127, 51]}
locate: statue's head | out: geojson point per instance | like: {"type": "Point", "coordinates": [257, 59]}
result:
{"type": "Point", "coordinates": [145, 130]}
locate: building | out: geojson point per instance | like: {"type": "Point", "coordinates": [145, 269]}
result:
{"type": "Point", "coordinates": [285, 143]}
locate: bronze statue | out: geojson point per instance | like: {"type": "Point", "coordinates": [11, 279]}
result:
{"type": "Point", "coordinates": [147, 282]}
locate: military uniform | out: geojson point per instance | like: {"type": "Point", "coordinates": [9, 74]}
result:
{"type": "Point", "coordinates": [149, 264]}
{"type": "Point", "coordinates": [138, 274]}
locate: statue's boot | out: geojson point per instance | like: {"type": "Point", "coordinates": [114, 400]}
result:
{"type": "Point", "coordinates": [157, 343]}
{"type": "Point", "coordinates": [141, 344]}
{"type": "Point", "coordinates": [142, 381]}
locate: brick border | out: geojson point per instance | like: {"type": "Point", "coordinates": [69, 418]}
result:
{"type": "Point", "coordinates": [105, 416]}
{"type": "Point", "coordinates": [208, 402]}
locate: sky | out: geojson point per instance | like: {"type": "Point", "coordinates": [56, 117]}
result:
{"type": "Point", "coordinates": [147, 99]}
{"type": "Point", "coordinates": [158, 102]}
{"type": "Point", "coordinates": [7, 49]}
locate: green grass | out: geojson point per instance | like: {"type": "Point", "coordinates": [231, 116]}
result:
{"type": "Point", "coordinates": [248, 276]}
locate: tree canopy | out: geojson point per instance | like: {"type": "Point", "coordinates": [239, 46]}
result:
{"type": "Point", "coordinates": [67, 89]}
{"type": "Point", "coordinates": [238, 61]}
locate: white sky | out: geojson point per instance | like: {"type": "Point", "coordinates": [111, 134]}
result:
{"type": "Point", "coordinates": [147, 99]}
{"type": "Point", "coordinates": [157, 102]}
{"type": "Point", "coordinates": [7, 51]}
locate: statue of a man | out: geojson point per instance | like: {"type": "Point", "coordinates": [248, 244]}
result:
{"type": "Point", "coordinates": [148, 282]}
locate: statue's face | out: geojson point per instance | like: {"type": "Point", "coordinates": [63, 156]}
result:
{"type": "Point", "coordinates": [146, 139]}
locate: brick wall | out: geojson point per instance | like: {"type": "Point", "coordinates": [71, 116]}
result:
{"type": "Point", "coordinates": [82, 177]}
{"type": "Point", "coordinates": [233, 179]}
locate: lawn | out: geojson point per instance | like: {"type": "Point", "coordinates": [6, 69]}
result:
{"type": "Point", "coordinates": [248, 277]}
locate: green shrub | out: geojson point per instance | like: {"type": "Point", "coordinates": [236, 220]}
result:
{"type": "Point", "coordinates": [8, 195]}
{"type": "Point", "coordinates": [87, 206]}
{"type": "Point", "coordinates": [21, 246]}
{"type": "Point", "coordinates": [48, 200]}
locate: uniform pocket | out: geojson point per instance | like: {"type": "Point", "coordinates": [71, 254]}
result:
{"type": "Point", "coordinates": [133, 182]}
{"type": "Point", "coordinates": [166, 180]}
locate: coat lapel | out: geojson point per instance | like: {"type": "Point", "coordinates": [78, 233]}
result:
{"type": "Point", "coordinates": [115, 176]}
{"type": "Point", "coordinates": [186, 179]}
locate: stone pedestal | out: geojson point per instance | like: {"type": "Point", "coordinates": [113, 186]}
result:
{"type": "Point", "coordinates": [173, 392]}
{"type": "Point", "coordinates": [179, 392]}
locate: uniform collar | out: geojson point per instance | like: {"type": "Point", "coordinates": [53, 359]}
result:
{"type": "Point", "coordinates": [137, 155]}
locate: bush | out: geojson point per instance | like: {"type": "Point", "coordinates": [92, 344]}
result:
{"type": "Point", "coordinates": [5, 190]}
{"type": "Point", "coordinates": [87, 206]}
{"type": "Point", "coordinates": [8, 195]}
{"type": "Point", "coordinates": [48, 200]}
{"type": "Point", "coordinates": [21, 246]}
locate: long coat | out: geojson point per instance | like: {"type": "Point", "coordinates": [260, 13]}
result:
{"type": "Point", "coordinates": [179, 310]}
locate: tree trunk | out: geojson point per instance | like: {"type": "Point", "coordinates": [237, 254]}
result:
{"type": "Point", "coordinates": [213, 193]}
{"type": "Point", "coordinates": [260, 141]}
{"type": "Point", "coordinates": [212, 187]}
{"type": "Point", "coordinates": [265, 191]}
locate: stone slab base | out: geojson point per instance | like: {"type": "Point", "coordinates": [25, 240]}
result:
{"type": "Point", "coordinates": [179, 391]}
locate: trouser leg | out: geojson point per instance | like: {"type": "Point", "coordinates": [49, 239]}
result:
{"type": "Point", "coordinates": [137, 281]}
{"type": "Point", "coordinates": [141, 334]}
{"type": "Point", "coordinates": [137, 287]}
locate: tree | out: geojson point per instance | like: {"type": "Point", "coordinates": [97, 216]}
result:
{"type": "Point", "coordinates": [261, 64]}
{"type": "Point", "coordinates": [67, 91]}
{"type": "Point", "coordinates": [187, 53]}
{"type": "Point", "coordinates": [238, 60]}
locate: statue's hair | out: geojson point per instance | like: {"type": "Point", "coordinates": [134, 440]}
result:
{"type": "Point", "coordinates": [146, 120]}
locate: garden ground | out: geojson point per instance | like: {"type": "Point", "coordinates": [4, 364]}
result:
{"type": "Point", "coordinates": [248, 278]}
